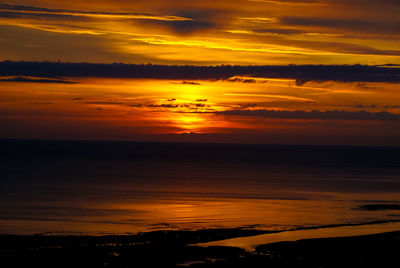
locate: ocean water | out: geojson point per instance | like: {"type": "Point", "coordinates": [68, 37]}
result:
{"type": "Point", "coordinates": [96, 188]}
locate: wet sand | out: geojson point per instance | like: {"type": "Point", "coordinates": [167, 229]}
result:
{"type": "Point", "coordinates": [252, 242]}
{"type": "Point", "coordinates": [170, 249]}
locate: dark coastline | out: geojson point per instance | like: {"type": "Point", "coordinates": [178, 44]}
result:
{"type": "Point", "coordinates": [169, 249]}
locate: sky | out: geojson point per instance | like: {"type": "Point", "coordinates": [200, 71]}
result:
{"type": "Point", "coordinates": [202, 32]}
{"type": "Point", "coordinates": [355, 103]}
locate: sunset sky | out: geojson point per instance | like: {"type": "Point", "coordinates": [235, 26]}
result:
{"type": "Point", "coordinates": [353, 105]}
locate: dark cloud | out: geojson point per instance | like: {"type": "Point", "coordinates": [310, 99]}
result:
{"type": "Point", "coordinates": [186, 27]}
{"type": "Point", "coordinates": [249, 105]}
{"type": "Point", "coordinates": [375, 207]}
{"type": "Point", "coordinates": [200, 19]}
{"type": "Point", "coordinates": [162, 105]}
{"type": "Point", "coordinates": [392, 107]}
{"type": "Point", "coordinates": [200, 103]}
{"type": "Point", "coordinates": [279, 31]}
{"type": "Point", "coordinates": [137, 105]}
{"type": "Point", "coordinates": [41, 103]}
{"type": "Point", "coordinates": [188, 83]}
{"type": "Point", "coordinates": [10, 15]}
{"type": "Point", "coordinates": [367, 26]}
{"type": "Point", "coordinates": [14, 15]}
{"type": "Point", "coordinates": [241, 80]}
{"type": "Point", "coordinates": [18, 11]}
{"type": "Point", "coordinates": [389, 65]}
{"type": "Point", "coordinates": [180, 22]}
{"type": "Point", "coordinates": [361, 85]}
{"type": "Point", "coordinates": [105, 102]}
{"type": "Point", "coordinates": [36, 80]}
{"type": "Point", "coordinates": [365, 86]}
{"type": "Point", "coordinates": [316, 115]}
{"type": "Point", "coordinates": [365, 106]}
{"type": "Point", "coordinates": [27, 8]}
{"type": "Point", "coordinates": [290, 1]}
{"type": "Point", "coordinates": [10, 11]}
{"type": "Point", "coordinates": [301, 73]}
{"type": "Point", "coordinates": [331, 46]}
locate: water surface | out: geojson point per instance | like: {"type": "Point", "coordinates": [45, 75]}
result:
{"type": "Point", "coordinates": [118, 188]}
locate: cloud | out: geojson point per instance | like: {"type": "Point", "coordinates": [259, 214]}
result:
{"type": "Point", "coordinates": [320, 40]}
{"type": "Point", "coordinates": [41, 103]}
{"type": "Point", "coordinates": [105, 102]}
{"type": "Point", "coordinates": [239, 32]}
{"type": "Point", "coordinates": [273, 96]}
{"type": "Point", "coordinates": [375, 207]}
{"type": "Point", "coordinates": [278, 31]}
{"type": "Point", "coordinates": [389, 65]}
{"type": "Point", "coordinates": [249, 105]}
{"type": "Point", "coordinates": [358, 25]}
{"type": "Point", "coordinates": [195, 105]}
{"type": "Point", "coordinates": [241, 80]}
{"type": "Point", "coordinates": [289, 2]}
{"type": "Point", "coordinates": [186, 27]}
{"type": "Point", "coordinates": [35, 80]}
{"type": "Point", "coordinates": [392, 107]}
{"type": "Point", "coordinates": [300, 73]}
{"type": "Point", "coordinates": [196, 20]}
{"type": "Point", "coordinates": [188, 83]}
{"type": "Point", "coordinates": [162, 105]}
{"type": "Point", "coordinates": [365, 106]}
{"type": "Point", "coordinates": [44, 19]}
{"type": "Point", "coordinates": [31, 11]}
{"type": "Point", "coordinates": [314, 115]}
{"type": "Point", "coordinates": [364, 86]}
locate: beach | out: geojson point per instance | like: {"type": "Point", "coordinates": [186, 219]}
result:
{"type": "Point", "coordinates": [169, 249]}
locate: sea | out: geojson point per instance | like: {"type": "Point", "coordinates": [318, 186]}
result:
{"type": "Point", "coordinates": [102, 188]}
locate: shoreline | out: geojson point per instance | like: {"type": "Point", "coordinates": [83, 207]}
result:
{"type": "Point", "coordinates": [173, 249]}
{"type": "Point", "coordinates": [250, 243]}
{"type": "Point", "coordinates": [243, 229]}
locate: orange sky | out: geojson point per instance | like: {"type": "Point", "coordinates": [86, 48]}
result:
{"type": "Point", "coordinates": [214, 111]}
{"type": "Point", "coordinates": [202, 32]}
{"type": "Point", "coordinates": [238, 109]}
